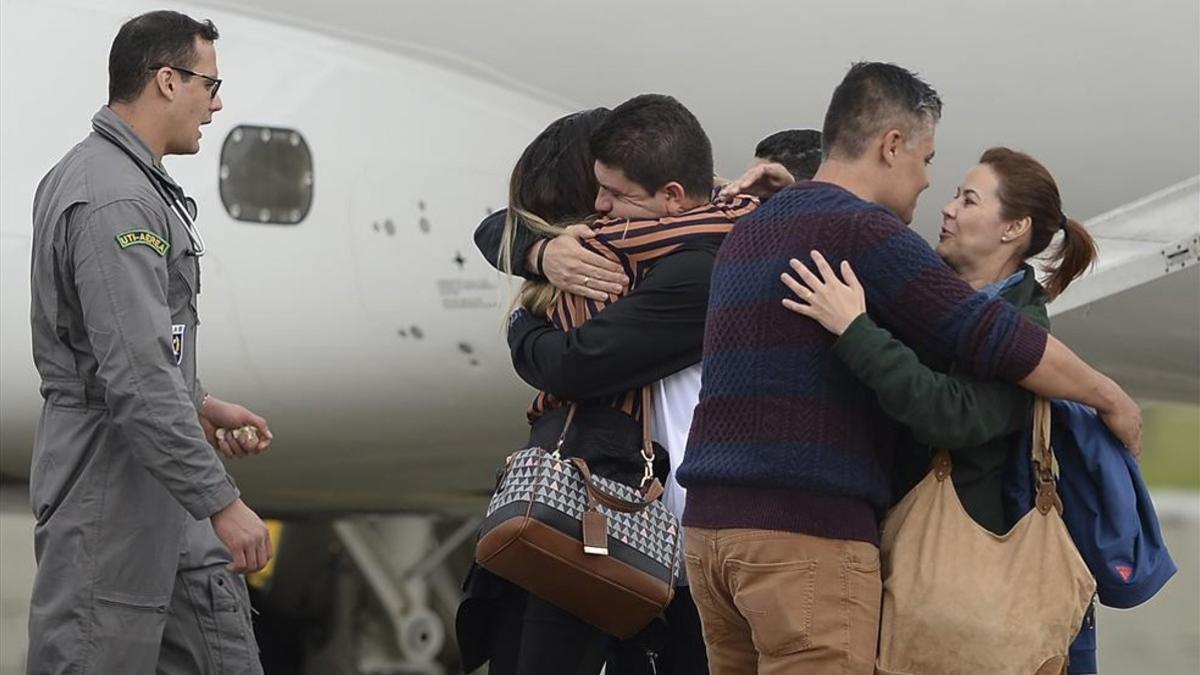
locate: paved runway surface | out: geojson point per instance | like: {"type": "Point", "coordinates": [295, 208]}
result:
{"type": "Point", "coordinates": [1159, 638]}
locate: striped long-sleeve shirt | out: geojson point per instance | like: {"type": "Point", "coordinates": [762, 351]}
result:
{"type": "Point", "coordinates": [636, 245]}
{"type": "Point", "coordinates": [785, 437]}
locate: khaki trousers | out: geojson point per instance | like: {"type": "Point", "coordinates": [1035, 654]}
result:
{"type": "Point", "coordinates": [776, 603]}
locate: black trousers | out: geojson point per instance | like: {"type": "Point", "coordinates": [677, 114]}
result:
{"type": "Point", "coordinates": [547, 640]}
{"type": "Point", "coordinates": [674, 646]}
{"type": "Point", "coordinates": [554, 641]}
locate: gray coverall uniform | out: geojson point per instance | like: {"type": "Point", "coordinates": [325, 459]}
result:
{"type": "Point", "coordinates": [131, 577]}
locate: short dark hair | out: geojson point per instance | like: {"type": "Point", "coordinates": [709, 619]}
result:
{"type": "Point", "coordinates": [798, 150]}
{"type": "Point", "coordinates": [871, 98]}
{"type": "Point", "coordinates": [161, 38]}
{"type": "Point", "coordinates": [654, 140]}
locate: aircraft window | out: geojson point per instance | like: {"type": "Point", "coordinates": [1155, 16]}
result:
{"type": "Point", "coordinates": [266, 175]}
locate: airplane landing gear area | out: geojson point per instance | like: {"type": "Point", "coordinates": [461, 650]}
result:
{"type": "Point", "coordinates": [364, 595]}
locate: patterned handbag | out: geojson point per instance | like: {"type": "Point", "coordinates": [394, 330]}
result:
{"type": "Point", "coordinates": [602, 550]}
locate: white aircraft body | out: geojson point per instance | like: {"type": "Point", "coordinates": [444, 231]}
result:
{"type": "Point", "coordinates": [354, 311]}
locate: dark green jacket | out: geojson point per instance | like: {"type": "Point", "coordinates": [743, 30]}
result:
{"type": "Point", "coordinates": [942, 408]}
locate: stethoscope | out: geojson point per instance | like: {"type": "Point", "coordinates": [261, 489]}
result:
{"type": "Point", "coordinates": [183, 208]}
{"type": "Point", "coordinates": [189, 224]}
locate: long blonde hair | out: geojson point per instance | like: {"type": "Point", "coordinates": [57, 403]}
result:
{"type": "Point", "coordinates": [535, 295]}
{"type": "Point", "coordinates": [553, 185]}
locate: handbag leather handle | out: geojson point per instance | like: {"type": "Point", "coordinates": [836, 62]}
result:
{"type": "Point", "coordinates": [647, 440]}
{"type": "Point", "coordinates": [596, 494]}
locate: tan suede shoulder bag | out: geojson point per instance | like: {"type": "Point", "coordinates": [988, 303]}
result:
{"type": "Point", "coordinates": [960, 599]}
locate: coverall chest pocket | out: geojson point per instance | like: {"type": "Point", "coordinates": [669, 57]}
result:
{"type": "Point", "coordinates": [183, 285]}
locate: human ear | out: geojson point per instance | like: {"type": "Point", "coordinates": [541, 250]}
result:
{"type": "Point", "coordinates": [166, 81]}
{"type": "Point", "coordinates": [1016, 229]}
{"type": "Point", "coordinates": [674, 195]}
{"type": "Point", "coordinates": [890, 146]}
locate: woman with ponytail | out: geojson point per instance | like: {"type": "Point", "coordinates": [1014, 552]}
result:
{"type": "Point", "coordinates": [1017, 218]}
{"type": "Point", "coordinates": [1006, 213]}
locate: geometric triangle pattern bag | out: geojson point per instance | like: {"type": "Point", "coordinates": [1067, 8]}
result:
{"type": "Point", "coordinates": [604, 551]}
{"type": "Point", "coordinates": [958, 598]}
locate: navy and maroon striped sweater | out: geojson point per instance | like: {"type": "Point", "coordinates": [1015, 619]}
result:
{"type": "Point", "coordinates": [785, 438]}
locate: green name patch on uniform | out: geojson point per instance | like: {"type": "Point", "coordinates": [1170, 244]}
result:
{"type": "Point", "coordinates": [145, 238]}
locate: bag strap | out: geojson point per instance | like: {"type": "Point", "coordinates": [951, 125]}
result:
{"type": "Point", "coordinates": [562, 438]}
{"type": "Point", "coordinates": [1045, 469]}
{"type": "Point", "coordinates": [647, 439]}
{"type": "Point", "coordinates": [597, 495]}
{"type": "Point", "coordinates": [647, 436]}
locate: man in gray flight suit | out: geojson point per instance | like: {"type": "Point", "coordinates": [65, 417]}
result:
{"type": "Point", "coordinates": [141, 536]}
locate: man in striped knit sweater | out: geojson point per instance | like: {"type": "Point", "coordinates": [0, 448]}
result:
{"type": "Point", "coordinates": [788, 458]}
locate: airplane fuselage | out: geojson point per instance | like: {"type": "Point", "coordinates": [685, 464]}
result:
{"type": "Point", "coordinates": [369, 332]}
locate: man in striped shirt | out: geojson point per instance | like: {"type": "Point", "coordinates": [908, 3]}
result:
{"type": "Point", "coordinates": [655, 172]}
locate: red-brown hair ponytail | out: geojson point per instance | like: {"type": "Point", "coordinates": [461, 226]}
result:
{"type": "Point", "coordinates": [1027, 190]}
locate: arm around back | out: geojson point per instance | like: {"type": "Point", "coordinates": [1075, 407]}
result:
{"type": "Point", "coordinates": [942, 410]}
{"type": "Point", "coordinates": [490, 234]}
{"type": "Point", "coordinates": [917, 296]}
{"type": "Point", "coordinates": [656, 330]}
